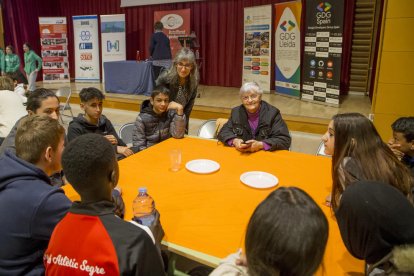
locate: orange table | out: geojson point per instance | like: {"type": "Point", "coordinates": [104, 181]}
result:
{"type": "Point", "coordinates": [205, 216]}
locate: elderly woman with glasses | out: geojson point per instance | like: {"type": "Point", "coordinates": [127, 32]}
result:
{"type": "Point", "coordinates": [255, 125]}
{"type": "Point", "coordinates": [182, 80]}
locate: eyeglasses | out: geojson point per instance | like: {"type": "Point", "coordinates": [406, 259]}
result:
{"type": "Point", "coordinates": [187, 66]}
{"type": "Point", "coordinates": [251, 97]}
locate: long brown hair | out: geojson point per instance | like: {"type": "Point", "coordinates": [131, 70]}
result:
{"type": "Point", "coordinates": [357, 142]}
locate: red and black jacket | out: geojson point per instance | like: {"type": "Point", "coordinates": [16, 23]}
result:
{"type": "Point", "coordinates": [91, 240]}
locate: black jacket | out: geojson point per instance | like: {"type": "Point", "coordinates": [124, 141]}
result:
{"type": "Point", "coordinates": [271, 129]}
{"type": "Point", "coordinates": [160, 46]}
{"type": "Point", "coordinates": [91, 233]}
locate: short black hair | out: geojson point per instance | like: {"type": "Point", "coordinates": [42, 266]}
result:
{"type": "Point", "coordinates": [160, 89]}
{"type": "Point", "coordinates": [158, 26]}
{"type": "Point", "coordinates": [35, 99]}
{"type": "Point", "coordinates": [89, 93]}
{"type": "Point", "coordinates": [286, 235]}
{"type": "Point", "coordinates": [28, 45]}
{"type": "Point", "coordinates": [404, 125]}
{"type": "Point", "coordinates": [87, 162]}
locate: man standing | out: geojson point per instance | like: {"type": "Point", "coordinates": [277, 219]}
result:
{"type": "Point", "coordinates": [30, 207]}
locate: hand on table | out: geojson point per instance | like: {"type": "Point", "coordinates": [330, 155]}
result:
{"type": "Point", "coordinates": [240, 145]}
{"type": "Point", "coordinates": [254, 145]}
{"type": "Point", "coordinates": [111, 139]}
{"type": "Point", "coordinates": [124, 151]}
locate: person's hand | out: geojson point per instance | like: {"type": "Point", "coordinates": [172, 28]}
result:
{"type": "Point", "coordinates": [176, 106]}
{"type": "Point", "coordinates": [111, 139]}
{"type": "Point", "coordinates": [36, 70]}
{"type": "Point", "coordinates": [240, 145]}
{"type": "Point", "coordinates": [254, 145]}
{"type": "Point", "coordinates": [241, 260]}
{"type": "Point", "coordinates": [124, 151]}
{"type": "Point", "coordinates": [395, 149]}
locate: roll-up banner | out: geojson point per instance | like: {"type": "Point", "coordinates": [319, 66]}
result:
{"type": "Point", "coordinates": [176, 23]}
{"type": "Point", "coordinates": [257, 47]}
{"type": "Point", "coordinates": [323, 50]}
{"type": "Point", "coordinates": [54, 49]}
{"type": "Point", "coordinates": [287, 48]}
{"type": "Point", "coordinates": [113, 43]}
{"type": "Point", "coordinates": [86, 45]}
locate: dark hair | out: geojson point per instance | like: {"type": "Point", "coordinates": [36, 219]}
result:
{"type": "Point", "coordinates": [357, 142]}
{"type": "Point", "coordinates": [286, 235]}
{"type": "Point", "coordinates": [405, 125]}
{"type": "Point", "coordinates": [28, 45]}
{"type": "Point", "coordinates": [87, 162]}
{"type": "Point", "coordinates": [6, 83]}
{"type": "Point", "coordinates": [36, 133]}
{"type": "Point", "coordinates": [11, 48]}
{"type": "Point", "coordinates": [158, 26]}
{"type": "Point", "coordinates": [89, 93]}
{"type": "Point", "coordinates": [160, 89]}
{"type": "Point", "coordinates": [35, 99]}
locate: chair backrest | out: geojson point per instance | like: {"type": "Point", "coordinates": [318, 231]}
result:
{"type": "Point", "coordinates": [304, 142]}
{"type": "Point", "coordinates": [65, 93]}
{"type": "Point", "coordinates": [208, 129]}
{"type": "Point", "coordinates": [125, 133]}
{"type": "Point", "coordinates": [321, 150]}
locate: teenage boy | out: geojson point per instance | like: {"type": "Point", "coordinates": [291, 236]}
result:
{"type": "Point", "coordinates": [41, 101]}
{"type": "Point", "coordinates": [92, 121]}
{"type": "Point", "coordinates": [159, 120]}
{"type": "Point", "coordinates": [30, 207]}
{"type": "Point", "coordinates": [402, 143]}
{"type": "Point", "coordinates": [103, 243]}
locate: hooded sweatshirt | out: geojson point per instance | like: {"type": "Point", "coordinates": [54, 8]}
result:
{"type": "Point", "coordinates": [30, 208]}
{"type": "Point", "coordinates": [151, 128]}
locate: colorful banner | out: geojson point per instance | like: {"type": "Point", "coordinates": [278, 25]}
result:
{"type": "Point", "coordinates": [113, 43]}
{"type": "Point", "coordinates": [287, 48]}
{"type": "Point", "coordinates": [257, 46]}
{"type": "Point", "coordinates": [54, 49]}
{"type": "Point", "coordinates": [176, 23]}
{"type": "Point", "coordinates": [86, 44]}
{"type": "Point", "coordinates": [323, 50]}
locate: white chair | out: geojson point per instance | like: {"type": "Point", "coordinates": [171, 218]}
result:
{"type": "Point", "coordinates": [321, 150]}
{"type": "Point", "coordinates": [125, 133]}
{"type": "Point", "coordinates": [64, 94]}
{"type": "Point", "coordinates": [208, 129]}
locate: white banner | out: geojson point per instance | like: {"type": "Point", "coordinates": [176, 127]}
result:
{"type": "Point", "coordinates": [86, 44]}
{"type": "Point", "coordinates": [257, 45]}
{"type": "Point", "coordinates": [131, 3]}
{"type": "Point", "coordinates": [113, 43]}
{"type": "Point", "coordinates": [54, 49]}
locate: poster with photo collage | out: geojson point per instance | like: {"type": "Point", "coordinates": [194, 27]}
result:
{"type": "Point", "coordinates": [54, 49]}
{"type": "Point", "coordinates": [257, 45]}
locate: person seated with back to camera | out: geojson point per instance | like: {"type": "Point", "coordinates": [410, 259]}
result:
{"type": "Point", "coordinates": [103, 243]}
{"type": "Point", "coordinates": [286, 235]}
{"type": "Point", "coordinates": [402, 143]}
{"type": "Point", "coordinates": [158, 120]}
{"type": "Point", "coordinates": [94, 122]}
{"type": "Point", "coordinates": [376, 224]}
{"type": "Point", "coordinates": [255, 124]}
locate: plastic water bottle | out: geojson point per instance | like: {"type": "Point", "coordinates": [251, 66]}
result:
{"type": "Point", "coordinates": [138, 57]}
{"type": "Point", "coordinates": [197, 54]}
{"type": "Point", "coordinates": [143, 207]}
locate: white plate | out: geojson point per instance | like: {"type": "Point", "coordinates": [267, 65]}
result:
{"type": "Point", "coordinates": [257, 179]}
{"type": "Point", "coordinates": [202, 166]}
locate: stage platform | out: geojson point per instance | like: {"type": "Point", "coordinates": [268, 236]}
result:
{"type": "Point", "coordinates": [217, 102]}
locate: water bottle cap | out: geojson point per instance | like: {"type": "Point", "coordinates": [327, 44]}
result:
{"type": "Point", "coordinates": [142, 189]}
